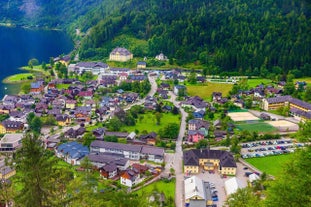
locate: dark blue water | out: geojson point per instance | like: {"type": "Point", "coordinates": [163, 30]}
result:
{"type": "Point", "coordinates": [18, 46]}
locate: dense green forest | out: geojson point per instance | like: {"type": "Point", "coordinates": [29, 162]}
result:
{"type": "Point", "coordinates": [250, 37]}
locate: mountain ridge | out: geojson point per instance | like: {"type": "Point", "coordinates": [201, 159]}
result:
{"type": "Point", "coordinates": [253, 37]}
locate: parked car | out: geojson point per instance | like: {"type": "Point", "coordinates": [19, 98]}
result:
{"type": "Point", "coordinates": [215, 198]}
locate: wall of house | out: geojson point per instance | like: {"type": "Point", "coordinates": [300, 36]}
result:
{"type": "Point", "coordinates": [192, 169]}
{"type": "Point", "coordinates": [121, 58]}
{"type": "Point", "coordinates": [228, 171]}
{"type": "Point", "coordinates": [2, 129]}
{"type": "Point", "coordinates": [126, 182]}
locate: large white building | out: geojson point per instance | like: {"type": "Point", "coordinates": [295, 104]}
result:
{"type": "Point", "coordinates": [120, 54]}
{"type": "Point", "coordinates": [95, 67]}
{"type": "Point", "coordinates": [129, 151]}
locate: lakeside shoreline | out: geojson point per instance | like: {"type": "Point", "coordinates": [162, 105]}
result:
{"type": "Point", "coordinates": [23, 76]}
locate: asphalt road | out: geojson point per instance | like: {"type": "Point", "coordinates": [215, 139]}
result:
{"type": "Point", "coordinates": [178, 156]}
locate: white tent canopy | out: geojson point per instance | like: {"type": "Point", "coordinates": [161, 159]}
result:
{"type": "Point", "coordinates": [253, 177]}
{"type": "Point", "coordinates": [232, 185]}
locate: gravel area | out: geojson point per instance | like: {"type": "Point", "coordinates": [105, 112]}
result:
{"type": "Point", "coordinates": [220, 182]}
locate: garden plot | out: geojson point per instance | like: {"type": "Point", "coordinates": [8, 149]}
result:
{"type": "Point", "coordinates": [242, 116]}
{"type": "Point", "coordinates": [283, 125]}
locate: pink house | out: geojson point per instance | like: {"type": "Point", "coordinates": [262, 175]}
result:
{"type": "Point", "coordinates": [195, 135]}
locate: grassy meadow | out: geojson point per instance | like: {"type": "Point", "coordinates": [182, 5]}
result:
{"type": "Point", "coordinates": [272, 165]}
{"type": "Point", "coordinates": [148, 122]}
{"type": "Point", "coordinates": [205, 91]}
{"type": "Point", "coordinates": [168, 188]}
{"type": "Point", "coordinates": [17, 78]}
{"type": "Point", "coordinates": [257, 81]}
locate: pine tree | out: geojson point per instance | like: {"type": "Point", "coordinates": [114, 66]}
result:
{"type": "Point", "coordinates": [38, 175]}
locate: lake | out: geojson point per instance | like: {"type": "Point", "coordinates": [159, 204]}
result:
{"type": "Point", "coordinates": [19, 45]}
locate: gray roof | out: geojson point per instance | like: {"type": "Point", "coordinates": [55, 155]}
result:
{"type": "Point", "coordinates": [121, 51]}
{"type": "Point", "coordinates": [129, 147]}
{"type": "Point", "coordinates": [290, 99]}
{"type": "Point", "coordinates": [191, 157]}
{"type": "Point", "coordinates": [152, 150]}
{"type": "Point", "coordinates": [106, 158]}
{"type": "Point", "coordinates": [113, 145]}
{"type": "Point", "coordinates": [91, 64]}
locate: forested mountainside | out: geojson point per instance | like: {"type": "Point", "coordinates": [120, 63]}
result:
{"type": "Point", "coordinates": [251, 37]}
{"type": "Point", "coordinates": [44, 13]}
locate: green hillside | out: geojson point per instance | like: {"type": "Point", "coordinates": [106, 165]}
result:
{"type": "Point", "coordinates": [251, 37]}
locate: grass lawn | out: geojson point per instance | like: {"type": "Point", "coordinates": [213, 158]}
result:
{"type": "Point", "coordinates": [259, 127]}
{"type": "Point", "coordinates": [148, 122]}
{"type": "Point", "coordinates": [37, 68]}
{"type": "Point", "coordinates": [18, 78]}
{"type": "Point", "coordinates": [306, 79]}
{"type": "Point", "coordinates": [255, 82]}
{"type": "Point", "coordinates": [272, 165]}
{"type": "Point", "coordinates": [168, 188]}
{"type": "Point", "coordinates": [205, 91]}
{"type": "Point", "coordinates": [62, 86]}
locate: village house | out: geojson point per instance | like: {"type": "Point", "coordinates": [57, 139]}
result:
{"type": "Point", "coordinates": [196, 103]}
{"type": "Point", "coordinates": [72, 152]}
{"type": "Point", "coordinates": [195, 135]}
{"type": "Point", "coordinates": [133, 152]}
{"type": "Point", "coordinates": [209, 160]}
{"type": "Point", "coordinates": [120, 54]}
{"type": "Point", "coordinates": [36, 87]}
{"type": "Point", "coordinates": [63, 60]}
{"type": "Point", "coordinates": [149, 139]}
{"type": "Point", "coordinates": [161, 57]}
{"type": "Point", "coordinates": [8, 126]}
{"type": "Point", "coordinates": [130, 178]}
{"type": "Point", "coordinates": [197, 192]}
{"type": "Point", "coordinates": [95, 68]}
{"type": "Point", "coordinates": [108, 171]}
{"type": "Point", "coordinates": [180, 90]}
{"type": "Point", "coordinates": [70, 104]}
{"type": "Point", "coordinates": [63, 120]}
{"type": "Point", "coordinates": [108, 80]}
{"type": "Point", "coordinates": [102, 159]}
{"type": "Point", "coordinates": [137, 77]}
{"type": "Point", "coordinates": [10, 142]}
{"type": "Point", "coordinates": [74, 134]}
{"type": "Point", "coordinates": [141, 65]}
{"type": "Point", "coordinates": [123, 76]}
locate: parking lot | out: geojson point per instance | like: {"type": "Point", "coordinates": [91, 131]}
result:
{"type": "Point", "coordinates": [219, 182]}
{"type": "Point", "coordinates": [268, 147]}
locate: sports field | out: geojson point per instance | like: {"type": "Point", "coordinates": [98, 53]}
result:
{"type": "Point", "coordinates": [283, 125]}
{"type": "Point", "coordinates": [272, 165]}
{"type": "Point", "coordinates": [242, 116]}
{"type": "Point", "coordinates": [256, 127]}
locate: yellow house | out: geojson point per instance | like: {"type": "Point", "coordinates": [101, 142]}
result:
{"type": "Point", "coordinates": [71, 104]}
{"type": "Point", "coordinates": [6, 172]}
{"type": "Point", "coordinates": [211, 160]}
{"type": "Point", "coordinates": [120, 54]}
{"type": "Point", "coordinates": [2, 129]}
{"type": "Point", "coordinates": [141, 65]}
{"type": "Point", "coordinates": [8, 126]}
{"type": "Point", "coordinates": [63, 120]}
